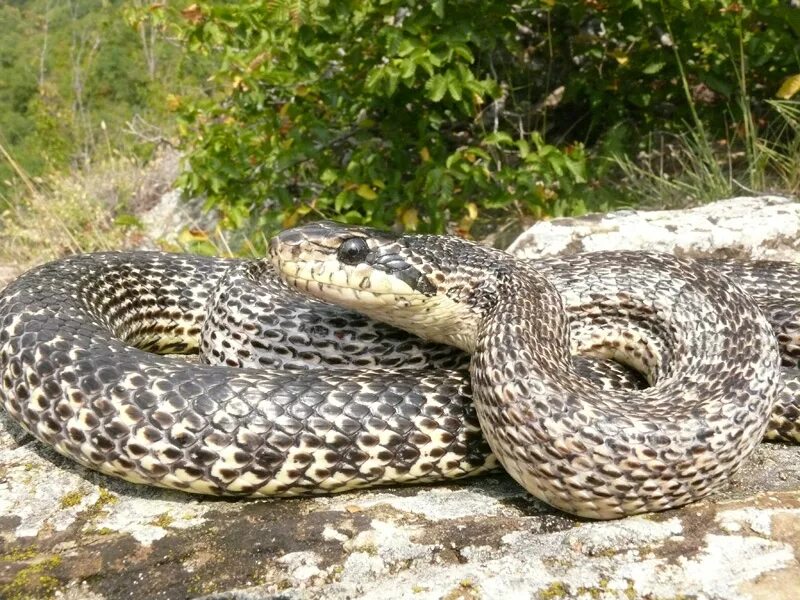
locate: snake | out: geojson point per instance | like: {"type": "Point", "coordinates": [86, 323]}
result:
{"type": "Point", "coordinates": [351, 357]}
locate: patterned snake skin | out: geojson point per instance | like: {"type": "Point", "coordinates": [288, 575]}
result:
{"type": "Point", "coordinates": [78, 372]}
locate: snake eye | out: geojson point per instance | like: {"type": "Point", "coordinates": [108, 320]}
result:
{"type": "Point", "coordinates": [353, 251]}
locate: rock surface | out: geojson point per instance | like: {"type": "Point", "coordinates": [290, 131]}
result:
{"type": "Point", "coordinates": [766, 227]}
{"type": "Point", "coordinates": [71, 533]}
{"type": "Point", "coordinates": [163, 222]}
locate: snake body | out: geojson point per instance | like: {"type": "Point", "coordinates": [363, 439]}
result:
{"type": "Point", "coordinates": [77, 368]}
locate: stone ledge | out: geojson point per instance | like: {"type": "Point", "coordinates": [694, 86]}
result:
{"type": "Point", "coordinates": [766, 227]}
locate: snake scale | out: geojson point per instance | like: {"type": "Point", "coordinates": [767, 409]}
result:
{"type": "Point", "coordinates": [357, 403]}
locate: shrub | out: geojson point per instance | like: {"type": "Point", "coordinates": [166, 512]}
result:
{"type": "Point", "coordinates": [425, 115]}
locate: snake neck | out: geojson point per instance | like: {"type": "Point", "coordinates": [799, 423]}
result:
{"type": "Point", "coordinates": [523, 333]}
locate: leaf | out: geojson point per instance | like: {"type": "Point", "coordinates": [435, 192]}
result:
{"type": "Point", "coordinates": [454, 158]}
{"type": "Point", "coordinates": [341, 202]}
{"type": "Point", "coordinates": [433, 181]}
{"type": "Point", "coordinates": [620, 57]}
{"type": "Point", "coordinates": [466, 222]}
{"type": "Point", "coordinates": [789, 87]}
{"type": "Point", "coordinates": [478, 153]}
{"type": "Point", "coordinates": [328, 176]}
{"type": "Point", "coordinates": [435, 59]}
{"type": "Point", "coordinates": [366, 192]}
{"type": "Point", "coordinates": [653, 68]}
{"type": "Point", "coordinates": [406, 47]}
{"type": "Point", "coordinates": [557, 164]}
{"type": "Point", "coordinates": [191, 235]}
{"type": "Point", "coordinates": [718, 85]}
{"type": "Point", "coordinates": [353, 217]}
{"type": "Point", "coordinates": [193, 14]}
{"type": "Point", "coordinates": [410, 219]}
{"type": "Point", "coordinates": [438, 8]}
{"type": "Point", "coordinates": [578, 170]}
{"type": "Point", "coordinates": [498, 138]}
{"type": "Point", "coordinates": [394, 78]}
{"type": "Point", "coordinates": [408, 68]}
{"type": "Point", "coordinates": [424, 61]}
{"type": "Point", "coordinates": [291, 219]}
{"type": "Point", "coordinates": [454, 87]}
{"type": "Point", "coordinates": [464, 52]}
{"type": "Point", "coordinates": [437, 87]}
{"type": "Point", "coordinates": [373, 78]}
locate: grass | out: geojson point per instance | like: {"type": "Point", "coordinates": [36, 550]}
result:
{"type": "Point", "coordinates": [758, 155]}
{"type": "Point", "coordinates": [81, 211]}
{"type": "Point", "coordinates": [95, 209]}
{"type": "Point", "coordinates": [687, 169]}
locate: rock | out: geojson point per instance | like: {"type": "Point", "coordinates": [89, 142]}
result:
{"type": "Point", "coordinates": [163, 222]}
{"type": "Point", "coordinates": [161, 209]}
{"type": "Point", "coordinates": [68, 532]}
{"type": "Point", "coordinates": [767, 227]}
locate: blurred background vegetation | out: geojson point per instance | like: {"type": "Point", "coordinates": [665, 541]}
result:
{"type": "Point", "coordinates": [464, 117]}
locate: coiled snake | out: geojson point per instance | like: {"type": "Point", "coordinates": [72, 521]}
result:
{"type": "Point", "coordinates": [77, 368]}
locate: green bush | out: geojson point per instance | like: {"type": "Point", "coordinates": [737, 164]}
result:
{"type": "Point", "coordinates": [426, 115]}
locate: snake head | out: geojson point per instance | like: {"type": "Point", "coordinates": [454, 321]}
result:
{"type": "Point", "coordinates": [428, 285]}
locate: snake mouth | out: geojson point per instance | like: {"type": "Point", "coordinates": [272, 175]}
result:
{"type": "Point", "coordinates": [361, 296]}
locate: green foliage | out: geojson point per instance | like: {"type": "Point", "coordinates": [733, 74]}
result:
{"type": "Point", "coordinates": [420, 114]}
{"type": "Point", "coordinates": [75, 82]}
{"type": "Point", "coordinates": [371, 112]}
